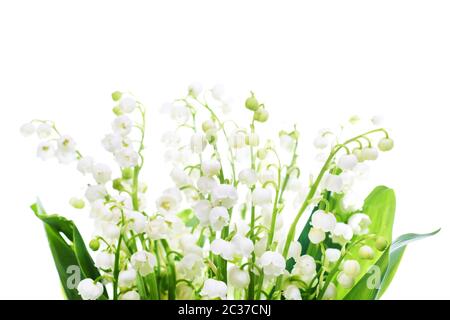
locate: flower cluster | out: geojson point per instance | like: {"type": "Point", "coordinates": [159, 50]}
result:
{"type": "Point", "coordinates": [228, 227]}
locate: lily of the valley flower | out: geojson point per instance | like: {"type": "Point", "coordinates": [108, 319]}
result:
{"type": "Point", "coordinates": [90, 290]}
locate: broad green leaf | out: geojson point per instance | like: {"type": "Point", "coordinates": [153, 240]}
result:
{"type": "Point", "coordinates": [379, 205]}
{"type": "Point", "coordinates": [374, 283]}
{"type": "Point", "coordinates": [68, 252]}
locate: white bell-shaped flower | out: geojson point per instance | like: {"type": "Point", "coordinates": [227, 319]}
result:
{"type": "Point", "coordinates": [345, 280]}
{"type": "Point", "coordinates": [222, 248]}
{"type": "Point", "coordinates": [238, 278]}
{"type": "Point", "coordinates": [198, 142]}
{"type": "Point", "coordinates": [143, 262]}
{"type": "Point", "coordinates": [130, 295]}
{"type": "Point", "coordinates": [202, 209]}
{"type": "Point", "coordinates": [242, 246]}
{"type": "Point", "coordinates": [333, 183]}
{"type": "Point", "coordinates": [248, 177]}
{"type": "Point", "coordinates": [272, 263]}
{"type": "Point", "coordinates": [104, 260]}
{"type": "Point", "coordinates": [28, 129]}
{"type": "Point", "coordinates": [342, 233]}
{"type": "Point", "coordinates": [330, 292]}
{"type": "Point", "coordinates": [89, 290]}
{"type": "Point", "coordinates": [261, 196]}
{"type": "Point", "coordinates": [206, 184]}
{"type": "Point", "coordinates": [95, 192]}
{"type": "Point", "coordinates": [224, 195]}
{"type": "Point", "coordinates": [213, 289]}
{"type": "Point", "coordinates": [369, 153]}
{"type": "Point", "coordinates": [359, 222]}
{"type": "Point", "coordinates": [347, 162]}
{"type": "Point", "coordinates": [219, 218]}
{"type": "Point", "coordinates": [180, 177]}
{"type": "Point", "coordinates": [324, 221]}
{"type": "Point", "coordinates": [127, 278]}
{"type": "Point", "coordinates": [210, 167]}
{"type": "Point", "coordinates": [316, 235]}
{"type": "Point", "coordinates": [44, 130]}
{"type": "Point", "coordinates": [332, 255]}
{"type": "Point", "coordinates": [291, 292]}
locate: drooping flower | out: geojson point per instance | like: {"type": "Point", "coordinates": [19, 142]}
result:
{"type": "Point", "coordinates": [330, 292]}
{"type": "Point", "coordinates": [202, 209]}
{"type": "Point", "coordinates": [333, 183]}
{"type": "Point", "coordinates": [351, 268]}
{"type": "Point", "coordinates": [143, 262]}
{"type": "Point", "coordinates": [213, 289]}
{"type": "Point", "coordinates": [28, 129]}
{"type": "Point", "coordinates": [359, 222]}
{"type": "Point", "coordinates": [104, 260]}
{"type": "Point", "coordinates": [261, 196]}
{"type": "Point", "coordinates": [332, 255]}
{"type": "Point", "coordinates": [224, 195]}
{"type": "Point", "coordinates": [238, 278]}
{"type": "Point", "coordinates": [90, 290]}
{"type": "Point", "coordinates": [291, 292]}
{"type": "Point", "coordinates": [95, 192]}
{"type": "Point", "coordinates": [210, 167]}
{"type": "Point", "coordinates": [305, 268]}
{"type": "Point", "coordinates": [130, 295]}
{"type": "Point", "coordinates": [272, 263]}
{"type": "Point", "coordinates": [342, 233]}
{"type": "Point", "coordinates": [127, 278]}
{"type": "Point", "coordinates": [126, 157]}
{"type": "Point", "coordinates": [248, 177]}
{"type": "Point", "coordinates": [198, 142]}
{"type": "Point", "coordinates": [347, 161]}
{"type": "Point", "coordinates": [219, 218]}
{"type": "Point", "coordinates": [324, 221]}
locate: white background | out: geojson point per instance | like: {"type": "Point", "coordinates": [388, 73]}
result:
{"type": "Point", "coordinates": [312, 62]}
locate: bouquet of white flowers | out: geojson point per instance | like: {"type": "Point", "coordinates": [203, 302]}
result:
{"type": "Point", "coordinates": [226, 229]}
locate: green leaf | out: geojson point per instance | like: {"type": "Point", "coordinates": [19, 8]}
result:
{"type": "Point", "coordinates": [379, 205]}
{"type": "Point", "coordinates": [68, 250]}
{"type": "Point", "coordinates": [387, 266]}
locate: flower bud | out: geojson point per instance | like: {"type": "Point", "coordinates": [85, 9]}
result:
{"type": "Point", "coordinates": [366, 252]}
{"type": "Point", "coordinates": [345, 281]}
{"type": "Point", "coordinates": [208, 125]}
{"type": "Point", "coordinates": [381, 243]}
{"type": "Point", "coordinates": [252, 103]}
{"type": "Point", "coordinates": [252, 140]}
{"type": "Point", "coordinates": [94, 244]}
{"type": "Point", "coordinates": [261, 115]}
{"type": "Point", "coordinates": [77, 203]}
{"type": "Point", "coordinates": [116, 95]}
{"type": "Point", "coordinates": [261, 154]}
{"type": "Point", "coordinates": [127, 173]}
{"type": "Point", "coordinates": [351, 268]}
{"type": "Point", "coordinates": [386, 144]}
{"type": "Point", "coordinates": [211, 136]}
{"type": "Point", "coordinates": [117, 111]}
{"type": "Point", "coordinates": [117, 185]}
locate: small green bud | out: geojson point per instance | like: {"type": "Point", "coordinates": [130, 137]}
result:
{"type": "Point", "coordinates": [386, 144]}
{"type": "Point", "coordinates": [94, 244]}
{"type": "Point", "coordinates": [252, 103]}
{"type": "Point", "coordinates": [294, 134]}
{"type": "Point", "coordinates": [208, 125]}
{"type": "Point", "coordinates": [261, 154]}
{"type": "Point", "coordinates": [261, 115]}
{"type": "Point", "coordinates": [366, 252]}
{"type": "Point", "coordinates": [116, 95]}
{"type": "Point", "coordinates": [117, 184]}
{"type": "Point", "coordinates": [211, 136]}
{"type": "Point", "coordinates": [381, 243]}
{"type": "Point", "coordinates": [77, 203]}
{"type": "Point", "coordinates": [127, 173]}
{"type": "Point", "coordinates": [354, 119]}
{"type": "Point", "coordinates": [117, 111]}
